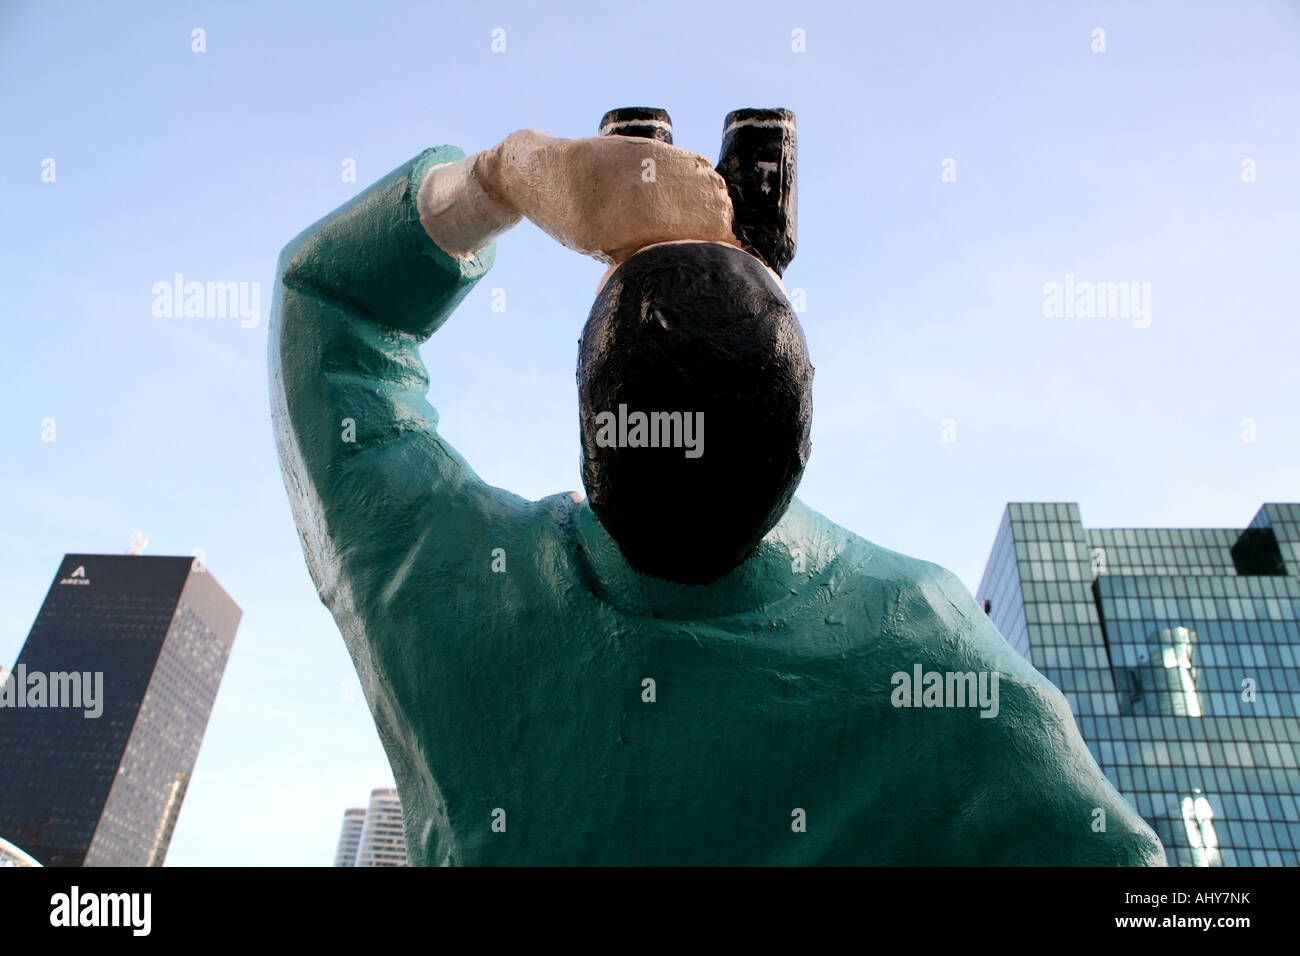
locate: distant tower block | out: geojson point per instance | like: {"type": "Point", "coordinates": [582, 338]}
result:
{"type": "Point", "coordinates": [354, 820]}
{"type": "Point", "coordinates": [153, 634]}
{"type": "Point", "coordinates": [383, 836]}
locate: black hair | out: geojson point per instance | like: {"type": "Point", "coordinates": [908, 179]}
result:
{"type": "Point", "coordinates": [700, 329]}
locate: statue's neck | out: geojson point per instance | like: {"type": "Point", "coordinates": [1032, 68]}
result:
{"type": "Point", "coordinates": [795, 555]}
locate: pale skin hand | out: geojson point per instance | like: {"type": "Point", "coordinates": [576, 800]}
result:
{"type": "Point", "coordinates": [595, 195]}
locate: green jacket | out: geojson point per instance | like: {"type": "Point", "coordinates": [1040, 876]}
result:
{"type": "Point", "coordinates": [543, 703]}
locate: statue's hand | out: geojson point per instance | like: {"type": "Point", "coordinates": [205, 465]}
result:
{"type": "Point", "coordinates": [607, 196]}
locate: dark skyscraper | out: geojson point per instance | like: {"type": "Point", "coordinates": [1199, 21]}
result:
{"type": "Point", "coordinates": [1179, 652]}
{"type": "Point", "coordinates": [102, 716]}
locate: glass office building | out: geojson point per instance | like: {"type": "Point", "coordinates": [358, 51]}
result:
{"type": "Point", "coordinates": [102, 716]}
{"type": "Point", "coordinates": [1179, 652]}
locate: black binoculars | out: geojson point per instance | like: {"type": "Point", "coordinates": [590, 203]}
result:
{"type": "Point", "coordinates": [757, 163]}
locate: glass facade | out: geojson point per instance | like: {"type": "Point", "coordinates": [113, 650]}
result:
{"type": "Point", "coordinates": [153, 634]}
{"type": "Point", "coordinates": [1179, 652]}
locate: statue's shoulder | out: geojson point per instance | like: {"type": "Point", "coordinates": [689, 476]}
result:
{"type": "Point", "coordinates": [984, 729]}
{"type": "Point", "coordinates": [827, 545]}
{"type": "Point", "coordinates": [917, 599]}
{"type": "Point", "coordinates": [906, 612]}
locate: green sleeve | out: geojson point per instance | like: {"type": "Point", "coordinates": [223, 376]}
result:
{"type": "Point", "coordinates": [1041, 799]}
{"type": "Point", "coordinates": [370, 480]}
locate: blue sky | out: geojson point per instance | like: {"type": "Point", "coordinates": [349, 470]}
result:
{"type": "Point", "coordinates": [925, 298]}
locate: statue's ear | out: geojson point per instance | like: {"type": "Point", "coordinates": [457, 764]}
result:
{"type": "Point", "coordinates": [758, 164]}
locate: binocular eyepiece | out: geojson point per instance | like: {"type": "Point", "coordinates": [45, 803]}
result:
{"type": "Point", "coordinates": [758, 164]}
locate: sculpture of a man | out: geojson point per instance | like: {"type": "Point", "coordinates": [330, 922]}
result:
{"type": "Point", "coordinates": [690, 666]}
